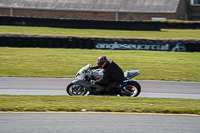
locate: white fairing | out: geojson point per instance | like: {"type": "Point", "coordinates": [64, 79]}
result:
{"type": "Point", "coordinates": [98, 72]}
{"type": "Point", "coordinates": [129, 74]}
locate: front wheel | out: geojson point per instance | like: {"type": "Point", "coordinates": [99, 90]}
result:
{"type": "Point", "coordinates": [76, 90]}
{"type": "Point", "coordinates": [132, 89]}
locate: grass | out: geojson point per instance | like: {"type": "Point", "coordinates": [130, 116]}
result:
{"type": "Point", "coordinates": [55, 62]}
{"type": "Point", "coordinates": [42, 62]}
{"type": "Point", "coordinates": [163, 34]}
{"type": "Point", "coordinates": [105, 104]}
{"type": "Point", "coordinates": [179, 21]}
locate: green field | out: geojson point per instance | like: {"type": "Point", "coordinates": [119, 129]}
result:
{"type": "Point", "coordinates": [43, 62]}
{"type": "Point", "coordinates": [163, 34]}
{"type": "Point", "coordinates": [55, 62]}
{"type": "Point", "coordinates": [98, 104]}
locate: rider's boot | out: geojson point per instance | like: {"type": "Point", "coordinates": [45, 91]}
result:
{"type": "Point", "coordinates": [97, 92]}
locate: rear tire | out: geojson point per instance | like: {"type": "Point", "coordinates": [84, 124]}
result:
{"type": "Point", "coordinates": [133, 87]}
{"type": "Point", "coordinates": [75, 90]}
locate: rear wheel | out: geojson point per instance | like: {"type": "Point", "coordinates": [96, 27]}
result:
{"type": "Point", "coordinates": [76, 90]}
{"type": "Point", "coordinates": [132, 88]}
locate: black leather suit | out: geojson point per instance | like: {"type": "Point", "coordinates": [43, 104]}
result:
{"type": "Point", "coordinates": [112, 76]}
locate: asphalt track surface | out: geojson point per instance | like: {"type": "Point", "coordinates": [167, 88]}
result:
{"type": "Point", "coordinates": [97, 123]}
{"type": "Point", "coordinates": [57, 86]}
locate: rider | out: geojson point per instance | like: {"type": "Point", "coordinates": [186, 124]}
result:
{"type": "Point", "coordinates": [112, 74]}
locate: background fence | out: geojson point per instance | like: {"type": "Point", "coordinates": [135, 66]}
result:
{"type": "Point", "coordinates": [99, 43]}
{"type": "Point", "coordinates": [95, 24]}
{"type": "Point", "coordinates": [82, 24]}
{"type": "Point", "coordinates": [179, 25]}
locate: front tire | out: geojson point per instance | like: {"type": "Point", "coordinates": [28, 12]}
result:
{"type": "Point", "coordinates": [76, 90]}
{"type": "Point", "coordinates": [132, 87]}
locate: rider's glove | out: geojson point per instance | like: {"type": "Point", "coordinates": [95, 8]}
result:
{"type": "Point", "coordinates": [93, 67]}
{"type": "Point", "coordinates": [92, 82]}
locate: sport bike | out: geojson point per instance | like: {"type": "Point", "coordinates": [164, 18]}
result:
{"type": "Point", "coordinates": [82, 86]}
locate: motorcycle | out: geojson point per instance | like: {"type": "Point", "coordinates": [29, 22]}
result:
{"type": "Point", "coordinates": [82, 86]}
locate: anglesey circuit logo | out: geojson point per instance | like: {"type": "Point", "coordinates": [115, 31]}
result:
{"type": "Point", "coordinates": [123, 46]}
{"type": "Point", "coordinates": [131, 46]}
